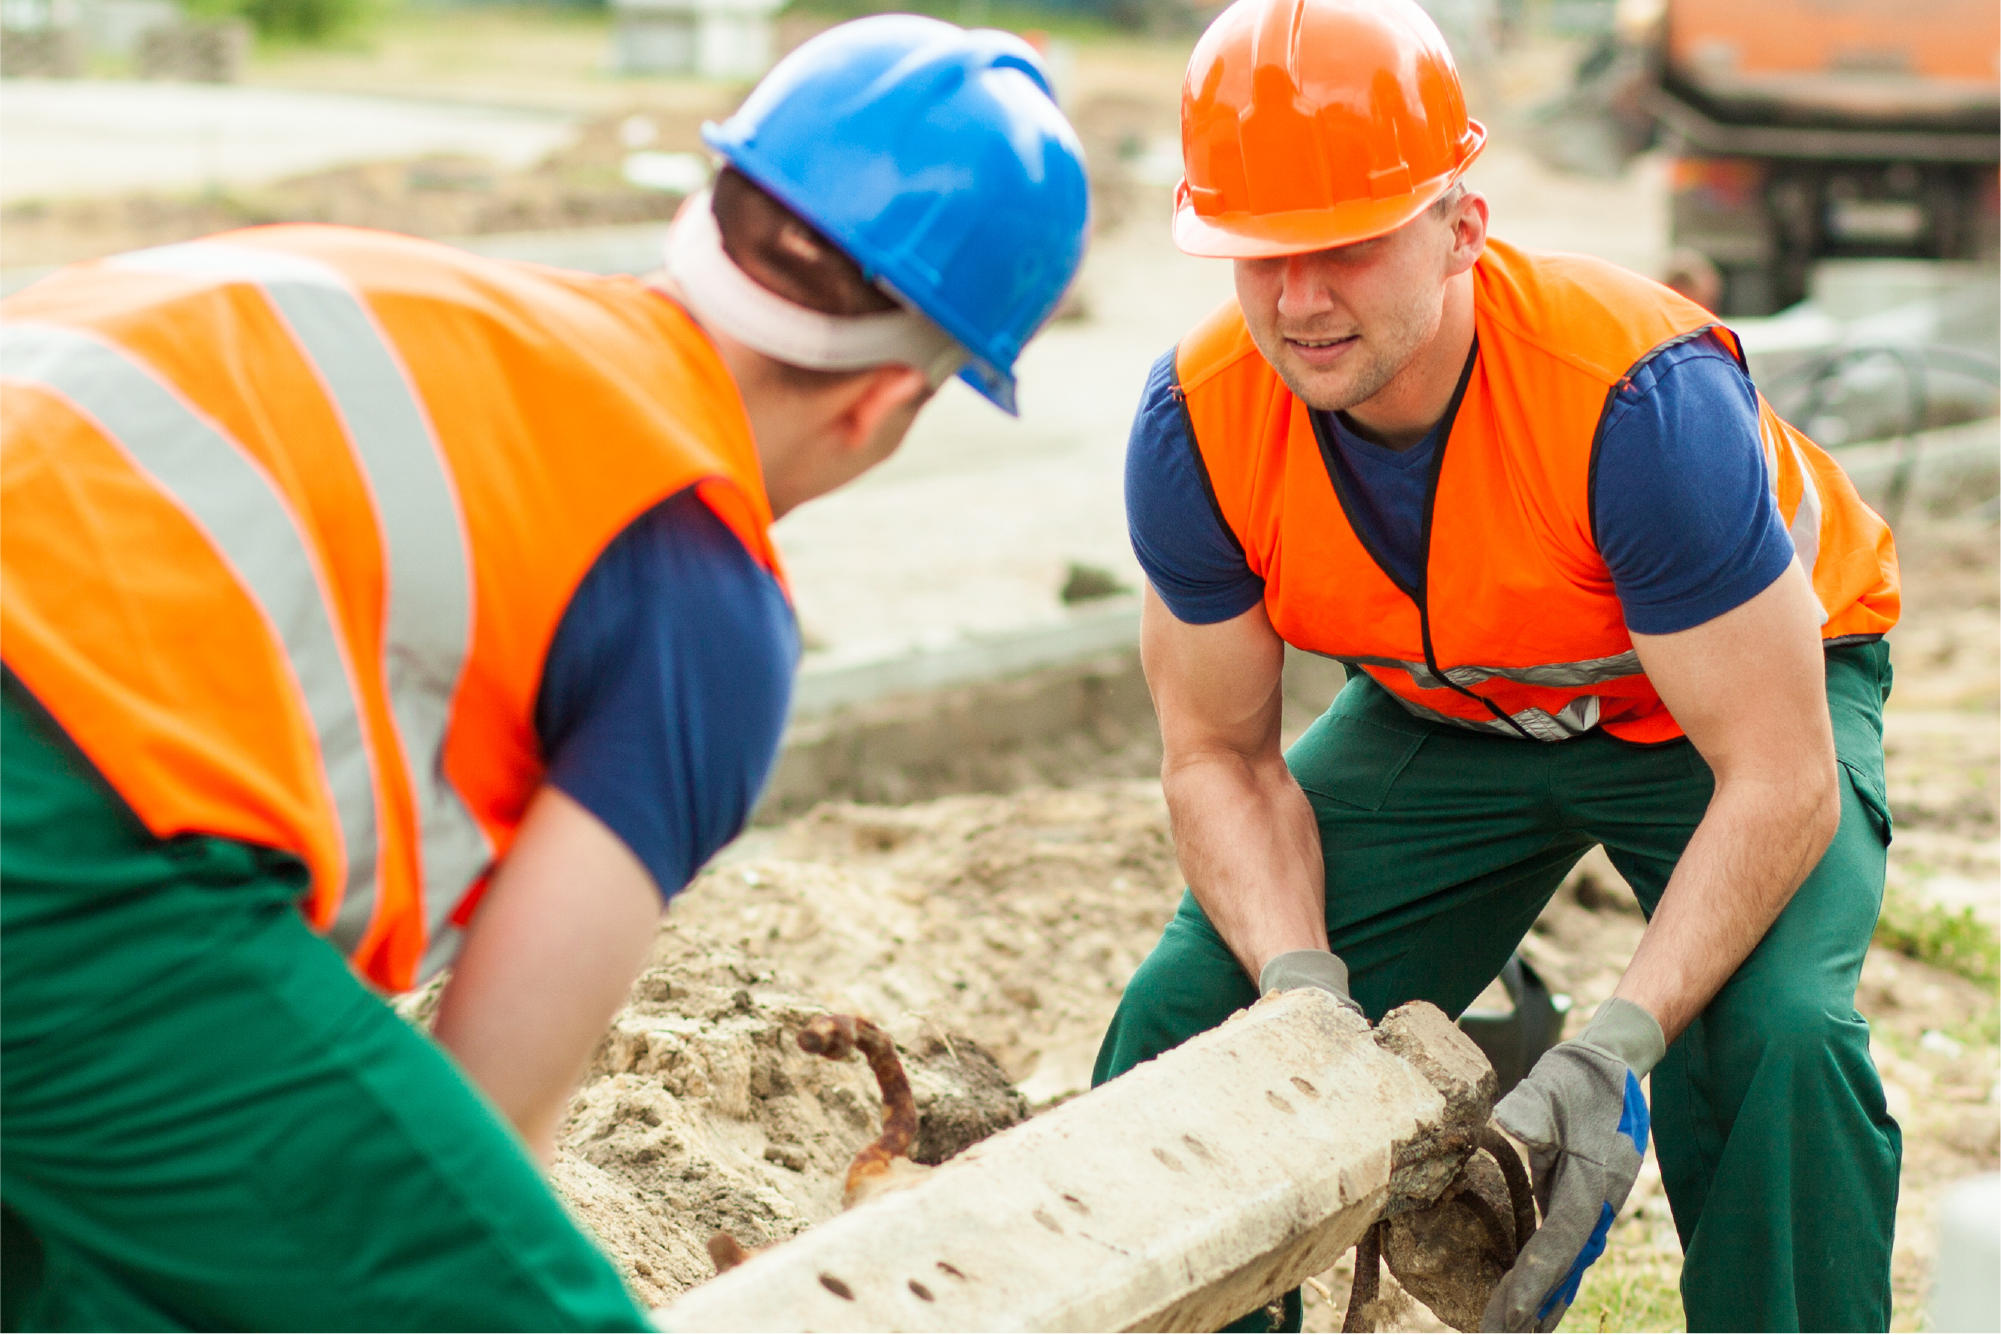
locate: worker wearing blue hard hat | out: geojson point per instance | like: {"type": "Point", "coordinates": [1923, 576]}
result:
{"type": "Point", "coordinates": [429, 615]}
{"type": "Point", "coordinates": [980, 233]}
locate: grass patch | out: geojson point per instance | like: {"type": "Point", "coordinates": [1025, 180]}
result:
{"type": "Point", "coordinates": [1627, 1295]}
{"type": "Point", "coordinates": [1938, 936]}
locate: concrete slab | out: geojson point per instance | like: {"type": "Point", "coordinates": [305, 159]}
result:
{"type": "Point", "coordinates": [1193, 1188]}
{"type": "Point", "coordinates": [62, 138]}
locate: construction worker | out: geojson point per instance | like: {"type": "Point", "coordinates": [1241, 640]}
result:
{"type": "Point", "coordinates": [370, 607]}
{"type": "Point", "coordinates": [1589, 589]}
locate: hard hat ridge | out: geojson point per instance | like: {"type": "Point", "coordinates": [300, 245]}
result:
{"type": "Point", "coordinates": [936, 158]}
{"type": "Point", "coordinates": [1307, 124]}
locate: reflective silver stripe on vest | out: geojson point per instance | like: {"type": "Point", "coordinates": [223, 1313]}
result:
{"type": "Point", "coordinates": [1584, 672]}
{"type": "Point", "coordinates": [1576, 718]}
{"type": "Point", "coordinates": [429, 587]}
{"type": "Point", "coordinates": [244, 514]}
{"type": "Point", "coordinates": [1805, 527]}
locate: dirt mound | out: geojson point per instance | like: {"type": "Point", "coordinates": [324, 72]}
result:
{"type": "Point", "coordinates": [990, 935]}
{"type": "Point", "coordinates": [701, 1113]}
{"type": "Point", "coordinates": [1014, 919]}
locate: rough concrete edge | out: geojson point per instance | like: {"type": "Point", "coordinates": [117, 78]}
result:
{"type": "Point", "coordinates": [823, 688]}
{"type": "Point", "coordinates": [1273, 1271]}
{"type": "Point", "coordinates": [1052, 725]}
{"type": "Point", "coordinates": [1425, 1038]}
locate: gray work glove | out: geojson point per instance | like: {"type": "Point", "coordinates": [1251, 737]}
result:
{"type": "Point", "coordinates": [1581, 1114]}
{"type": "Point", "coordinates": [1307, 968]}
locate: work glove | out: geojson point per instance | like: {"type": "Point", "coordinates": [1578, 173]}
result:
{"type": "Point", "coordinates": [1581, 1114]}
{"type": "Point", "coordinates": [1307, 968]}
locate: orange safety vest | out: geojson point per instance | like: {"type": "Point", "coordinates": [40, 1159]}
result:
{"type": "Point", "coordinates": [292, 515]}
{"type": "Point", "coordinates": [1516, 628]}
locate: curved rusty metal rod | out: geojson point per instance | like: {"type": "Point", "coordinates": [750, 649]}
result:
{"type": "Point", "coordinates": [1517, 1176]}
{"type": "Point", "coordinates": [1368, 1280]}
{"type": "Point", "coordinates": [726, 1253]}
{"type": "Point", "coordinates": [834, 1037]}
{"type": "Point", "coordinates": [1500, 1239]}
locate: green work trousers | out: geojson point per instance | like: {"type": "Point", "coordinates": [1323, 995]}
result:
{"type": "Point", "coordinates": [207, 1122]}
{"type": "Point", "coordinates": [1778, 1154]}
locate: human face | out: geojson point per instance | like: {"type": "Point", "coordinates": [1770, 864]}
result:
{"type": "Point", "coordinates": [1340, 325]}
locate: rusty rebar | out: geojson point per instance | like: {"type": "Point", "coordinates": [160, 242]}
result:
{"type": "Point", "coordinates": [727, 1253]}
{"type": "Point", "coordinates": [1520, 1195]}
{"type": "Point", "coordinates": [1499, 1231]}
{"type": "Point", "coordinates": [834, 1037]}
{"type": "Point", "coordinates": [1368, 1280]}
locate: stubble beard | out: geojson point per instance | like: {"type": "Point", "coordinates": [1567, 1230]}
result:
{"type": "Point", "coordinates": [1378, 357]}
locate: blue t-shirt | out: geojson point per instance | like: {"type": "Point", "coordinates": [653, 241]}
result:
{"type": "Point", "coordinates": [665, 689]}
{"type": "Point", "coordinates": [1682, 507]}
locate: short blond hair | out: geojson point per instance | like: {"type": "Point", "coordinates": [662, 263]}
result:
{"type": "Point", "coordinates": [1449, 201]}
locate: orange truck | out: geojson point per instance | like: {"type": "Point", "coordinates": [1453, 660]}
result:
{"type": "Point", "coordinates": [1806, 129]}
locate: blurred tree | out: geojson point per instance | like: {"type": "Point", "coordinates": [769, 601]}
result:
{"type": "Point", "coordinates": [289, 20]}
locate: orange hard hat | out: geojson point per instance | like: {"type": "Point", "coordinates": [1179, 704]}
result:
{"type": "Point", "coordinates": [1307, 124]}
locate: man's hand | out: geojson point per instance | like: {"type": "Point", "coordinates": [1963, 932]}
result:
{"type": "Point", "coordinates": [1243, 831]}
{"type": "Point", "coordinates": [549, 956]}
{"type": "Point", "coordinates": [1307, 968]}
{"type": "Point", "coordinates": [1582, 1116]}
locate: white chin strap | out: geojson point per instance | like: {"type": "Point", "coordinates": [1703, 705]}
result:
{"type": "Point", "coordinates": [727, 299]}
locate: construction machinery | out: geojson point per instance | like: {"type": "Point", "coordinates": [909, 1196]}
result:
{"type": "Point", "coordinates": [1802, 130]}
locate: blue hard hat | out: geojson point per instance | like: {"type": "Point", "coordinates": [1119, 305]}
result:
{"type": "Point", "coordinates": [937, 159]}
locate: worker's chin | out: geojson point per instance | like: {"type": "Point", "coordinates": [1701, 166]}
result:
{"type": "Point", "coordinates": [1331, 389]}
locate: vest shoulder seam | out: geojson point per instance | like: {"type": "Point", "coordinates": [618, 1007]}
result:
{"type": "Point", "coordinates": [1179, 394]}
{"type": "Point", "coordinates": [1557, 350]}
{"type": "Point", "coordinates": [1222, 364]}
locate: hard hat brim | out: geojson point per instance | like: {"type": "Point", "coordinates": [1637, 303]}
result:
{"type": "Point", "coordinates": [1248, 236]}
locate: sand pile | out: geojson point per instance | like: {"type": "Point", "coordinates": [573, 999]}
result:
{"type": "Point", "coordinates": [701, 1113]}
{"type": "Point", "coordinates": [990, 935]}
{"type": "Point", "coordinates": [1014, 919]}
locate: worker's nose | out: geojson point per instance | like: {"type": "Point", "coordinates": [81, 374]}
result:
{"type": "Point", "coordinates": [1302, 293]}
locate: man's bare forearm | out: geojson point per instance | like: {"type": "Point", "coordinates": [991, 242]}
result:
{"type": "Point", "coordinates": [1755, 844]}
{"type": "Point", "coordinates": [549, 957]}
{"type": "Point", "coordinates": [1250, 848]}
{"type": "Point", "coordinates": [1243, 830]}
{"type": "Point", "coordinates": [1749, 689]}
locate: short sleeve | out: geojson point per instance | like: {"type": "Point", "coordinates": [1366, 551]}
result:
{"type": "Point", "coordinates": [1190, 557]}
{"type": "Point", "coordinates": [1682, 504]}
{"type": "Point", "coordinates": [665, 689]}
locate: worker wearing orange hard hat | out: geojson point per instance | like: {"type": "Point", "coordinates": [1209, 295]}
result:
{"type": "Point", "coordinates": [1588, 589]}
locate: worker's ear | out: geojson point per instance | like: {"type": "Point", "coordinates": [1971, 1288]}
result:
{"type": "Point", "coordinates": [879, 397]}
{"type": "Point", "coordinates": [1469, 233]}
